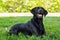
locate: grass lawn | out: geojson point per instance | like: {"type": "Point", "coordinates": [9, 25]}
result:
{"type": "Point", "coordinates": [52, 27]}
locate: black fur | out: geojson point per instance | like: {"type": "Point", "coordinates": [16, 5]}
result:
{"type": "Point", "coordinates": [34, 26]}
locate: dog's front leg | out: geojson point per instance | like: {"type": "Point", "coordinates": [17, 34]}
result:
{"type": "Point", "coordinates": [35, 32]}
{"type": "Point", "coordinates": [42, 29]}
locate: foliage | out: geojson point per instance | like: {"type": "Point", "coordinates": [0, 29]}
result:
{"type": "Point", "coordinates": [27, 5]}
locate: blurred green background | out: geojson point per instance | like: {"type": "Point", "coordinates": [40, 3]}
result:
{"type": "Point", "coordinates": [27, 5]}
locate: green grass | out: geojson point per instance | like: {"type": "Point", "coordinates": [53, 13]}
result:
{"type": "Point", "coordinates": [52, 27]}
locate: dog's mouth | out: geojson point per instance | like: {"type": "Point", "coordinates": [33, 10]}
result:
{"type": "Point", "coordinates": [39, 15]}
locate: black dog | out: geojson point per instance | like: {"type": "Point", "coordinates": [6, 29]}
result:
{"type": "Point", "coordinates": [34, 26]}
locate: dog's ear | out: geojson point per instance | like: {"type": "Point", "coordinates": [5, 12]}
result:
{"type": "Point", "coordinates": [45, 12]}
{"type": "Point", "coordinates": [32, 11]}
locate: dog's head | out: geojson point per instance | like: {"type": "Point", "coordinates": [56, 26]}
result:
{"type": "Point", "coordinates": [39, 11]}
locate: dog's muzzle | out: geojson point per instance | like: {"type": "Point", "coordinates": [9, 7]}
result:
{"type": "Point", "coordinates": [39, 15]}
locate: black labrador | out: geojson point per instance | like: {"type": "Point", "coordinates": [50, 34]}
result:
{"type": "Point", "coordinates": [34, 26]}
